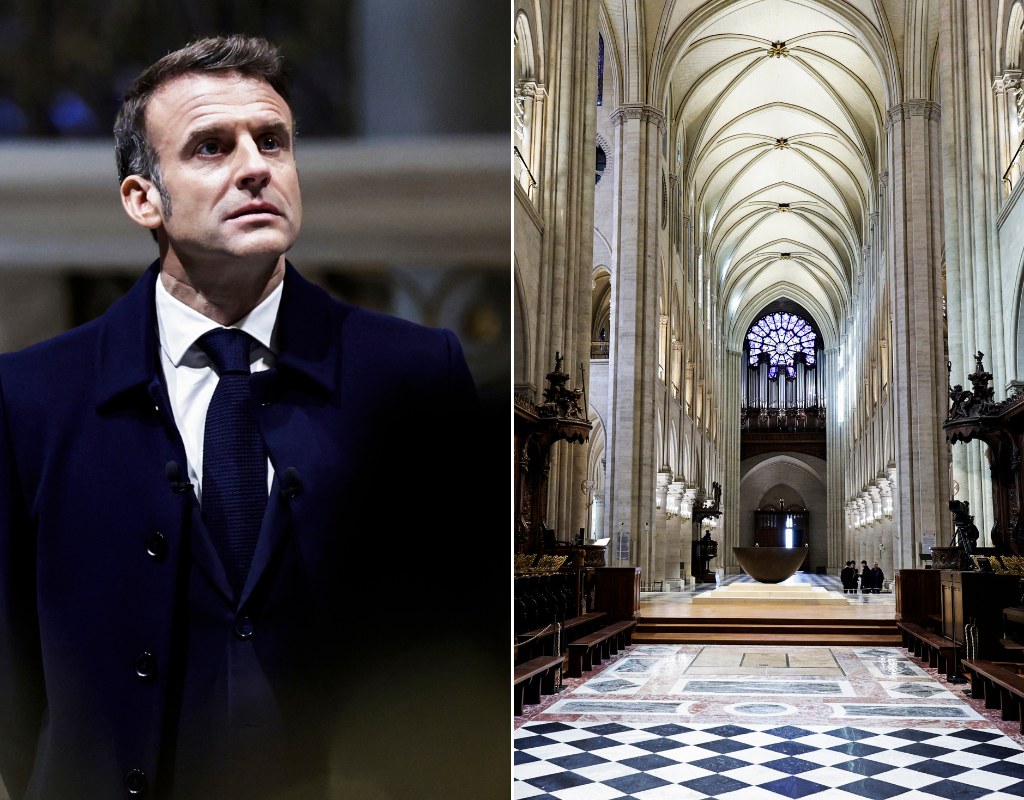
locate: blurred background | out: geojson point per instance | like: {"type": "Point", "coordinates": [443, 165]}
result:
{"type": "Point", "coordinates": [402, 112]}
{"type": "Point", "coordinates": [402, 153]}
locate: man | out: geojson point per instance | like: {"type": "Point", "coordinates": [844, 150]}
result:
{"type": "Point", "coordinates": [849, 578]}
{"type": "Point", "coordinates": [196, 485]}
{"type": "Point", "coordinates": [876, 579]}
{"type": "Point", "coordinates": [866, 581]}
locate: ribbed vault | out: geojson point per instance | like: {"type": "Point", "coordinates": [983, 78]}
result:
{"type": "Point", "coordinates": [779, 106]}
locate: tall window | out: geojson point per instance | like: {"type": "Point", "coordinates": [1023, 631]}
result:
{"type": "Point", "coordinates": [600, 69]}
{"type": "Point", "coordinates": [789, 532]}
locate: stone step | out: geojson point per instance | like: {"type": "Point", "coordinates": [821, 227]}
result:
{"type": "Point", "coordinates": [711, 626]}
{"type": "Point", "coordinates": [794, 639]}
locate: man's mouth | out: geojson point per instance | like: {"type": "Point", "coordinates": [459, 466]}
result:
{"type": "Point", "coordinates": [256, 209]}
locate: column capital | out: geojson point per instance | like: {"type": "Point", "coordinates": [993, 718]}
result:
{"type": "Point", "coordinates": [640, 111]}
{"type": "Point", "coordinates": [902, 112]}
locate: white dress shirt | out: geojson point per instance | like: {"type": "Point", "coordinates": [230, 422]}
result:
{"type": "Point", "coordinates": [189, 373]}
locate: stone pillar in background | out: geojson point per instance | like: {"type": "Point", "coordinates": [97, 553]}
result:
{"type": "Point", "coordinates": [598, 516]}
{"type": "Point", "coordinates": [838, 517]}
{"type": "Point", "coordinates": [885, 494]}
{"type": "Point", "coordinates": [673, 545]}
{"type": "Point", "coordinates": [686, 530]}
{"type": "Point", "coordinates": [659, 539]}
{"type": "Point", "coordinates": [633, 358]}
{"type": "Point", "coordinates": [730, 450]}
{"type": "Point", "coordinates": [878, 537]}
{"type": "Point", "coordinates": [919, 366]}
{"type": "Point", "coordinates": [979, 296]}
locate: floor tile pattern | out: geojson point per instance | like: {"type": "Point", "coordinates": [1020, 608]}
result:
{"type": "Point", "coordinates": [869, 722]}
{"type": "Point", "coordinates": [658, 761]}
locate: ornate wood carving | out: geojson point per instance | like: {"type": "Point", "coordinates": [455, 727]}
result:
{"type": "Point", "coordinates": [537, 427]}
{"type": "Point", "coordinates": [976, 415]}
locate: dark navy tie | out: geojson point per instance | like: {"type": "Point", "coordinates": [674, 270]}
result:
{"type": "Point", "coordinates": [234, 461]}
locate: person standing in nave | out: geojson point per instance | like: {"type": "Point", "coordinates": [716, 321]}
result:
{"type": "Point", "coordinates": [876, 579]}
{"type": "Point", "coordinates": [849, 578]}
{"type": "Point", "coordinates": [865, 578]}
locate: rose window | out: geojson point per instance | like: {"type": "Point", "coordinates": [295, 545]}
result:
{"type": "Point", "coordinates": [781, 337]}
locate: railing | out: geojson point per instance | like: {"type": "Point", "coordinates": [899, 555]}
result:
{"type": "Point", "coordinates": [599, 349]}
{"type": "Point", "coordinates": [1014, 162]}
{"type": "Point", "coordinates": [782, 419]}
{"type": "Point", "coordinates": [521, 171]}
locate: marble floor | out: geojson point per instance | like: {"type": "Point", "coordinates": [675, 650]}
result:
{"type": "Point", "coordinates": [830, 582]}
{"type": "Point", "coordinates": [749, 722]}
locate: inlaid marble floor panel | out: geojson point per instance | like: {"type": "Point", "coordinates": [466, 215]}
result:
{"type": "Point", "coordinates": [848, 723]}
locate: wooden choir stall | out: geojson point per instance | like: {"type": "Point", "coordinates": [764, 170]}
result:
{"type": "Point", "coordinates": [570, 610]}
{"type": "Point", "coordinates": [966, 611]}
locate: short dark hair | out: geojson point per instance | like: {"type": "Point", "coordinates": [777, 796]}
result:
{"type": "Point", "coordinates": [251, 56]}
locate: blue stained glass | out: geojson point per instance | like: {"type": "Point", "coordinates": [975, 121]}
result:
{"type": "Point", "coordinates": [781, 337]}
{"type": "Point", "coordinates": [600, 69]}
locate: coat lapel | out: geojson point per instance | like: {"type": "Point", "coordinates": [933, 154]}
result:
{"type": "Point", "coordinates": [291, 402]}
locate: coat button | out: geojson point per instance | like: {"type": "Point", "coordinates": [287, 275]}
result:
{"type": "Point", "coordinates": [156, 545]}
{"type": "Point", "coordinates": [136, 783]}
{"type": "Point", "coordinates": [145, 666]}
{"type": "Point", "coordinates": [244, 627]}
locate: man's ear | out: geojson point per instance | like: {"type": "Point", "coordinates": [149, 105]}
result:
{"type": "Point", "coordinates": [141, 201]}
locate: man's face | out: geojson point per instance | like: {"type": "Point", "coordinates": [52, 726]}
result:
{"type": "Point", "coordinates": [225, 149]}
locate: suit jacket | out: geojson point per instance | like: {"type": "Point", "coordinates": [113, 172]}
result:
{"type": "Point", "coordinates": [849, 575]}
{"type": "Point", "coordinates": [126, 667]}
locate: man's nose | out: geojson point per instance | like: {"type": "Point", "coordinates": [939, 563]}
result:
{"type": "Point", "coordinates": [253, 171]}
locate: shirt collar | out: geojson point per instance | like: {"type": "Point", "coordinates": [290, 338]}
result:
{"type": "Point", "coordinates": [180, 325]}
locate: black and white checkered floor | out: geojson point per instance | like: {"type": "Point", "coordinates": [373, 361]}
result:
{"type": "Point", "coordinates": [651, 761]}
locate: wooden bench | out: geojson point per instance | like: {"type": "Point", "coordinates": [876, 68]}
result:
{"type": "Point", "coordinates": [535, 678]}
{"type": "Point", "coordinates": [595, 648]}
{"type": "Point", "coordinates": [540, 642]}
{"type": "Point", "coordinates": [937, 650]}
{"type": "Point", "coordinates": [583, 625]}
{"type": "Point", "coordinates": [1000, 687]}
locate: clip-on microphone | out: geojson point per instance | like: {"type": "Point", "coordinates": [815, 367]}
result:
{"type": "Point", "coordinates": [173, 472]}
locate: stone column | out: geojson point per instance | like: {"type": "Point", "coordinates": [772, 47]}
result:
{"type": "Point", "coordinates": [597, 532]}
{"type": "Point", "coordinates": [673, 545]}
{"type": "Point", "coordinates": [885, 493]}
{"type": "Point", "coordinates": [729, 447]}
{"type": "Point", "coordinates": [659, 538]}
{"type": "Point", "coordinates": [838, 524]}
{"type": "Point", "coordinates": [877, 538]}
{"type": "Point", "coordinates": [566, 201]}
{"type": "Point", "coordinates": [634, 319]}
{"type": "Point", "coordinates": [973, 191]}
{"type": "Point", "coordinates": [919, 378]}
{"type": "Point", "coordinates": [686, 531]}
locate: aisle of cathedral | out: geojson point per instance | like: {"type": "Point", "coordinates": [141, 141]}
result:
{"type": "Point", "coordinates": [761, 247]}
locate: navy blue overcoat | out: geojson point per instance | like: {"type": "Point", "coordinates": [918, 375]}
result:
{"type": "Point", "coordinates": [126, 666]}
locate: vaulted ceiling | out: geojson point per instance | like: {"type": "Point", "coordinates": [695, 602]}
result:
{"type": "Point", "coordinates": [779, 109]}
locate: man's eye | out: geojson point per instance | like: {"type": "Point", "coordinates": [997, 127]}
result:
{"type": "Point", "coordinates": [269, 143]}
{"type": "Point", "coordinates": [209, 148]}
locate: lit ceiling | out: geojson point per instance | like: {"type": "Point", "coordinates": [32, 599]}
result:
{"type": "Point", "coordinates": [783, 148]}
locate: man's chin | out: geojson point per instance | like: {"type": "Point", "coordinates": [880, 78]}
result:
{"type": "Point", "coordinates": [260, 246]}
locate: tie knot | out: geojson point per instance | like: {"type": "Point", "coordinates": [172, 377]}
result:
{"type": "Point", "coordinates": [228, 349]}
